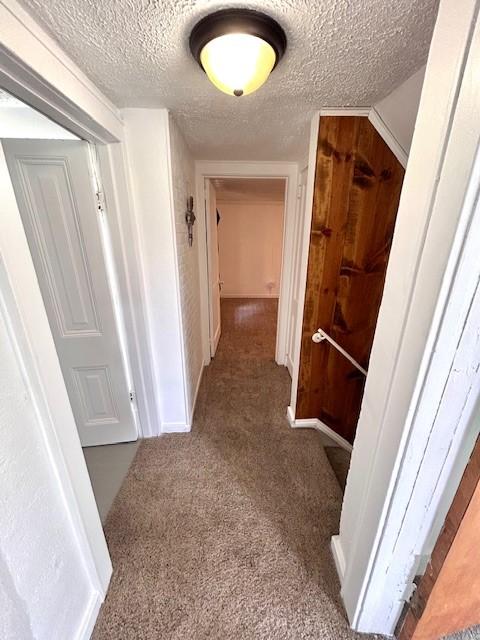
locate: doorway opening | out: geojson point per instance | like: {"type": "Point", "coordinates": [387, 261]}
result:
{"type": "Point", "coordinates": [245, 221]}
{"type": "Point", "coordinates": [55, 180]}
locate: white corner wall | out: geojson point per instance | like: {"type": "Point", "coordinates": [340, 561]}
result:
{"type": "Point", "coordinates": [250, 238]}
{"type": "Point", "coordinates": [399, 109]}
{"type": "Point", "coordinates": [45, 592]}
{"type": "Point", "coordinates": [424, 235]}
{"type": "Point", "coordinates": [149, 158]}
{"type": "Point", "coordinates": [183, 184]}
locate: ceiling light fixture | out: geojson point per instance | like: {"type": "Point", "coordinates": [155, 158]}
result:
{"type": "Point", "coordinates": [238, 49]}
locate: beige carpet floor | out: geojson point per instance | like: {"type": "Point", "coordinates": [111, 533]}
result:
{"type": "Point", "coordinates": [469, 634]}
{"type": "Point", "coordinates": [224, 533]}
{"type": "Point", "coordinates": [339, 460]}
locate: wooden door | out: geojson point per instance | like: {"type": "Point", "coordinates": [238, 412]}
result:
{"type": "Point", "coordinates": [357, 190]}
{"type": "Point", "coordinates": [55, 195]}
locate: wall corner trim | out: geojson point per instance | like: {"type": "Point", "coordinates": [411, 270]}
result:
{"type": "Point", "coordinates": [329, 437]}
{"type": "Point", "coordinates": [345, 111]}
{"type": "Point", "coordinates": [338, 557]}
{"type": "Point", "coordinates": [389, 138]}
{"type": "Point", "coordinates": [89, 619]}
{"type": "Point", "coordinates": [377, 121]}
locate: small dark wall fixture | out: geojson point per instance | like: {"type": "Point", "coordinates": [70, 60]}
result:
{"type": "Point", "coordinates": [190, 220]}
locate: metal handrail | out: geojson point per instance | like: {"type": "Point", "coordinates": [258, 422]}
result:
{"type": "Point", "coordinates": [321, 335]}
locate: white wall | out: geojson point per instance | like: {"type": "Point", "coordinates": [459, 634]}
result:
{"type": "Point", "coordinates": [183, 181]}
{"type": "Point", "coordinates": [44, 588]}
{"type": "Point", "coordinates": [147, 143]}
{"type": "Point", "coordinates": [250, 236]}
{"type": "Point", "coordinates": [430, 206]}
{"type": "Point", "coordinates": [24, 122]}
{"type": "Point", "coordinates": [399, 109]}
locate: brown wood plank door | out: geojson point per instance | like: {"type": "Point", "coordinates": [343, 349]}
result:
{"type": "Point", "coordinates": [358, 181]}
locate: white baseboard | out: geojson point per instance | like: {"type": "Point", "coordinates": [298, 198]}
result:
{"type": "Point", "coordinates": [249, 295]}
{"type": "Point", "coordinates": [176, 427]}
{"type": "Point", "coordinates": [338, 557]}
{"type": "Point", "coordinates": [90, 617]}
{"type": "Point", "coordinates": [329, 437]}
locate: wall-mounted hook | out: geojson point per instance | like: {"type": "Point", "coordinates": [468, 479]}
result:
{"type": "Point", "coordinates": [190, 220]}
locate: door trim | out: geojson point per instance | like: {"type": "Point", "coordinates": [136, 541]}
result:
{"type": "Point", "coordinates": [27, 317]}
{"type": "Point", "coordinates": [35, 69]}
{"type": "Point", "coordinates": [386, 514]}
{"type": "Point", "coordinates": [229, 169]}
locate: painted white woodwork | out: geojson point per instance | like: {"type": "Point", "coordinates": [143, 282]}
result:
{"type": "Point", "coordinates": [301, 214]}
{"type": "Point", "coordinates": [390, 440]}
{"type": "Point", "coordinates": [287, 170]}
{"type": "Point", "coordinates": [63, 461]}
{"type": "Point", "coordinates": [125, 248]}
{"type": "Point", "coordinates": [55, 194]}
{"type": "Point", "coordinates": [328, 436]}
{"type": "Point", "coordinates": [304, 243]}
{"type": "Point", "coordinates": [214, 285]}
{"type": "Point", "coordinates": [34, 68]}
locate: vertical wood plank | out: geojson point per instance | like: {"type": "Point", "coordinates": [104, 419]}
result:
{"type": "Point", "coordinates": [357, 189]}
{"type": "Point", "coordinates": [415, 609]}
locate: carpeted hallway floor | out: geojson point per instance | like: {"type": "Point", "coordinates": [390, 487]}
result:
{"type": "Point", "coordinates": [224, 533]}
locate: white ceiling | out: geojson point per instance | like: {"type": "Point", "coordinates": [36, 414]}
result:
{"type": "Point", "coordinates": [339, 53]}
{"type": "Point", "coordinates": [249, 189]}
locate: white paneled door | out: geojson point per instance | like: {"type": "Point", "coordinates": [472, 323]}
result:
{"type": "Point", "coordinates": [55, 193]}
{"type": "Point", "coordinates": [213, 266]}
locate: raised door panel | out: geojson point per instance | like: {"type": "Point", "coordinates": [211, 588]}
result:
{"type": "Point", "coordinates": [97, 398]}
{"type": "Point", "coordinates": [61, 249]}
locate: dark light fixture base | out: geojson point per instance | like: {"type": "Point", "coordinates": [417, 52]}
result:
{"type": "Point", "coordinates": [246, 21]}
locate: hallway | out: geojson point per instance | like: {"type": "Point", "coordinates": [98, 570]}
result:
{"type": "Point", "coordinates": [224, 533]}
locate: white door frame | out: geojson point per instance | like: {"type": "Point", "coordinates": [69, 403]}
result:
{"type": "Point", "coordinates": [413, 438]}
{"type": "Point", "coordinates": [36, 70]}
{"type": "Point", "coordinates": [229, 169]}
{"type": "Point", "coordinates": [301, 213]}
{"type": "Point", "coordinates": [213, 334]}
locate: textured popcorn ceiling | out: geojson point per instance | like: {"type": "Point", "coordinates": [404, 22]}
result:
{"type": "Point", "coordinates": [249, 189]}
{"type": "Point", "coordinates": [340, 53]}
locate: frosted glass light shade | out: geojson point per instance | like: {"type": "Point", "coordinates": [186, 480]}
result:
{"type": "Point", "coordinates": [238, 63]}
